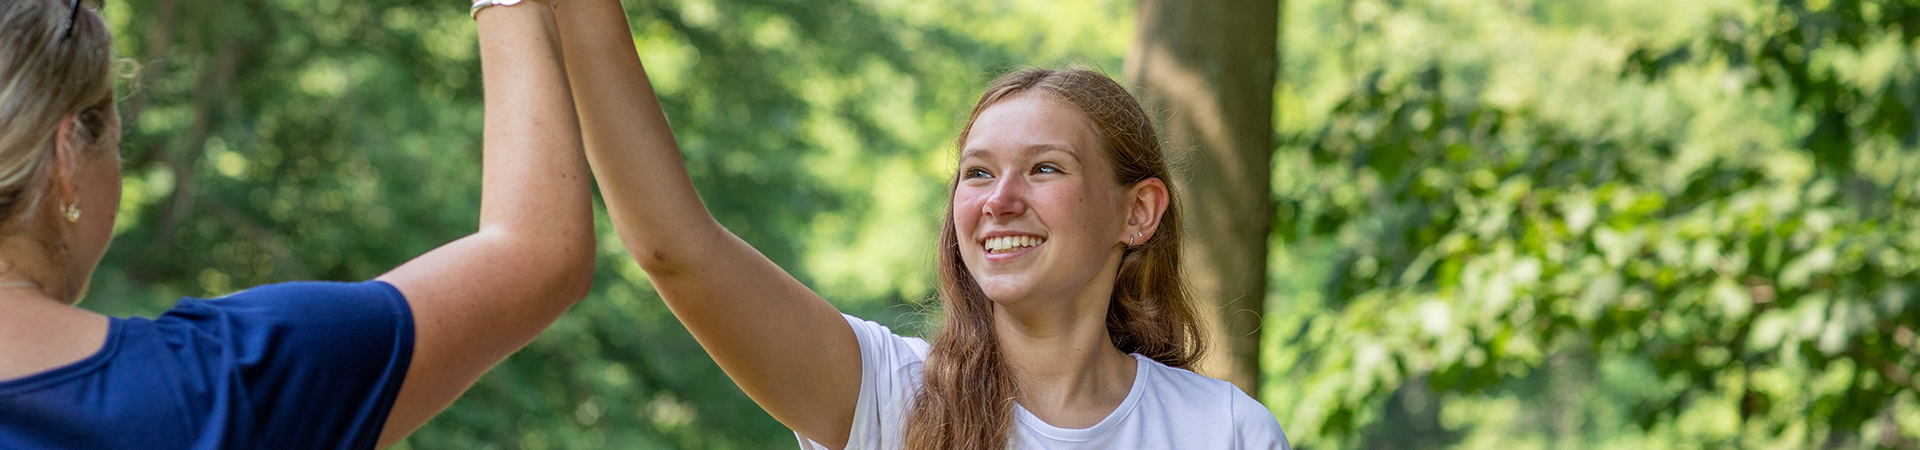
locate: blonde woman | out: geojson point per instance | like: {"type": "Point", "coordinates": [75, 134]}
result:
{"type": "Point", "coordinates": [1067, 324]}
{"type": "Point", "coordinates": [284, 366]}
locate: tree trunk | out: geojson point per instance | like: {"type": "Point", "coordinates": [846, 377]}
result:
{"type": "Point", "coordinates": [1208, 68]}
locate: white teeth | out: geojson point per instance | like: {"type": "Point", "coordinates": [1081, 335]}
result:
{"type": "Point", "coordinates": [1010, 243]}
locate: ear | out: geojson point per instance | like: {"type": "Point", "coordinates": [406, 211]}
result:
{"type": "Point", "coordinates": [1146, 202]}
{"type": "Point", "coordinates": [66, 159]}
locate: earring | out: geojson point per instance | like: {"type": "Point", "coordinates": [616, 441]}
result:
{"type": "Point", "coordinates": [72, 212]}
{"type": "Point", "coordinates": [1136, 237]}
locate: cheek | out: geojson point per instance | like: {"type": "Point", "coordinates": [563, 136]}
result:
{"type": "Point", "coordinates": [966, 211]}
{"type": "Point", "coordinates": [100, 190]}
{"type": "Point", "coordinates": [1072, 208]}
{"type": "Point", "coordinates": [104, 181]}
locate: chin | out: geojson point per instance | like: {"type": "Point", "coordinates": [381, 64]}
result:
{"type": "Point", "coordinates": [1003, 290]}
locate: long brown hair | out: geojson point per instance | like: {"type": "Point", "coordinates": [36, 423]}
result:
{"type": "Point", "coordinates": [966, 399]}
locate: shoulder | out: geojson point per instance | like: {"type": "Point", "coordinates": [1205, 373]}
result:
{"type": "Point", "coordinates": [332, 353]}
{"type": "Point", "coordinates": [890, 365]}
{"type": "Point", "coordinates": [305, 322]}
{"type": "Point", "coordinates": [226, 371]}
{"type": "Point", "coordinates": [878, 343]}
{"type": "Point", "coordinates": [1255, 425]}
{"type": "Point", "coordinates": [889, 378]}
{"type": "Point", "coordinates": [305, 296]}
{"type": "Point", "coordinates": [1190, 389]}
{"type": "Point", "coordinates": [138, 380]}
{"type": "Point", "coordinates": [1213, 400]}
{"type": "Point", "coordinates": [332, 307]}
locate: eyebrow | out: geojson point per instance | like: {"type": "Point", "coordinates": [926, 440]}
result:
{"type": "Point", "coordinates": [1028, 150]}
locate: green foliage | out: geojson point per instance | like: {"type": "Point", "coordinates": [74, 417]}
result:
{"type": "Point", "coordinates": [318, 139]}
{"type": "Point", "coordinates": [1597, 224]}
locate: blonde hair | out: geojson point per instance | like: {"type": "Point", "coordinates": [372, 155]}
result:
{"type": "Point", "coordinates": [48, 72]}
{"type": "Point", "coordinates": [966, 399]}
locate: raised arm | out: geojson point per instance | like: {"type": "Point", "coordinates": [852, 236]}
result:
{"type": "Point", "coordinates": [480, 298]}
{"type": "Point", "coordinates": [785, 346]}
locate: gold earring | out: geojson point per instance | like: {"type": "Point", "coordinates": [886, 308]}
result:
{"type": "Point", "coordinates": [72, 211]}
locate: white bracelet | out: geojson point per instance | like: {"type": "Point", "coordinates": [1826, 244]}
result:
{"type": "Point", "coordinates": [482, 4]}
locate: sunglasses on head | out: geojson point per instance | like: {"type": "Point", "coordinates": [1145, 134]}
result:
{"type": "Point", "coordinates": [71, 20]}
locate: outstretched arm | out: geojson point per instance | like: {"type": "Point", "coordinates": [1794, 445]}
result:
{"type": "Point", "coordinates": [480, 298]}
{"type": "Point", "coordinates": [785, 346]}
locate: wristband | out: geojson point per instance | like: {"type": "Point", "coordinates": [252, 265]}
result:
{"type": "Point", "coordinates": [482, 4]}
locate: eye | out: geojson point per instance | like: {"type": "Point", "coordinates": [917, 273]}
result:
{"type": "Point", "coordinates": [1048, 168]}
{"type": "Point", "coordinates": [974, 172]}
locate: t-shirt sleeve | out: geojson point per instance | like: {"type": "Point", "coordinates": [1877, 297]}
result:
{"type": "Point", "coordinates": [889, 376]}
{"type": "Point", "coordinates": [309, 364]}
{"type": "Point", "coordinates": [1255, 426]}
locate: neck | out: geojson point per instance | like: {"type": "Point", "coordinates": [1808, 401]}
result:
{"type": "Point", "coordinates": [1068, 371]}
{"type": "Point", "coordinates": [39, 332]}
{"type": "Point", "coordinates": [20, 294]}
{"type": "Point", "coordinates": [1064, 363]}
{"type": "Point", "coordinates": [28, 265]}
{"type": "Point", "coordinates": [40, 329]}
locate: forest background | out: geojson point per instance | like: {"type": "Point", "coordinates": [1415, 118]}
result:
{"type": "Point", "coordinates": [1475, 223]}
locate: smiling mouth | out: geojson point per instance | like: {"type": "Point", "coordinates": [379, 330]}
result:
{"type": "Point", "coordinates": [1008, 244]}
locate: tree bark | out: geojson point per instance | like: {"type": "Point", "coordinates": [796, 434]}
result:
{"type": "Point", "coordinates": [1208, 68]}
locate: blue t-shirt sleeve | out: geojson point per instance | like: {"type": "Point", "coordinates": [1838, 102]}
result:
{"type": "Point", "coordinates": [309, 364]}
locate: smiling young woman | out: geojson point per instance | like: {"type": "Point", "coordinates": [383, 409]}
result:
{"type": "Point", "coordinates": [1060, 213]}
{"type": "Point", "coordinates": [1067, 325]}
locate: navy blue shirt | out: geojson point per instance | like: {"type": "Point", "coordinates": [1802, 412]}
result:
{"type": "Point", "coordinates": [307, 365]}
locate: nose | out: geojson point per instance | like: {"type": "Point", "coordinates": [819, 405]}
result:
{"type": "Point", "coordinates": [1008, 199]}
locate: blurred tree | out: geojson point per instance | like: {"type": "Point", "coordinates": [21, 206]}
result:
{"type": "Point", "coordinates": [1210, 65]}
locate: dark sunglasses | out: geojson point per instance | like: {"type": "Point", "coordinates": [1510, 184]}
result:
{"type": "Point", "coordinates": [71, 20]}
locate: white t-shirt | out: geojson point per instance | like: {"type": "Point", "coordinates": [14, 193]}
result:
{"type": "Point", "coordinates": [1167, 407]}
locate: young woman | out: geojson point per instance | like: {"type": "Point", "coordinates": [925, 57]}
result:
{"type": "Point", "coordinates": [295, 365]}
{"type": "Point", "coordinates": [1066, 322]}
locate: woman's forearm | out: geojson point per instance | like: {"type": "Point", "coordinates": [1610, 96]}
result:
{"type": "Point", "coordinates": [634, 157]}
{"type": "Point", "coordinates": [787, 348]}
{"type": "Point", "coordinates": [534, 179]}
{"type": "Point", "coordinates": [478, 299]}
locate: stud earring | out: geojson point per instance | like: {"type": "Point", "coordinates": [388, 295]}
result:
{"type": "Point", "coordinates": [72, 212]}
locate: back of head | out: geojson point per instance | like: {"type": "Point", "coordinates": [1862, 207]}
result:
{"type": "Point", "coordinates": [966, 398]}
{"type": "Point", "coordinates": [54, 64]}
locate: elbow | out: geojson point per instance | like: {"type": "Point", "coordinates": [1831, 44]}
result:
{"type": "Point", "coordinates": [575, 279]}
{"type": "Point", "coordinates": [684, 254]}
{"type": "Point", "coordinates": [660, 258]}
{"type": "Point", "coordinates": [560, 269]}
{"type": "Point", "coordinates": [656, 261]}
{"type": "Point", "coordinates": [574, 285]}
{"type": "Point", "coordinates": [667, 246]}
